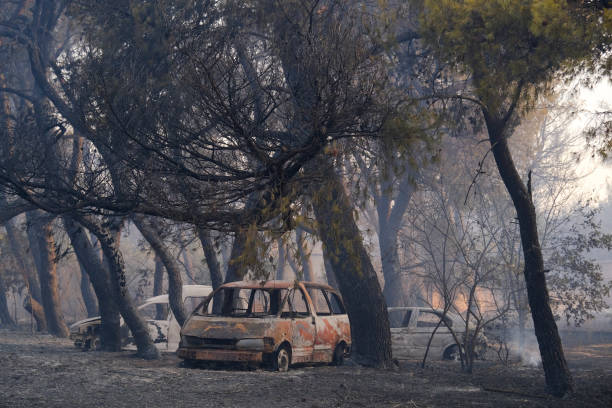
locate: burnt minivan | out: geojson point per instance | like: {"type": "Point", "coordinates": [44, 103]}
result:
{"type": "Point", "coordinates": [278, 323]}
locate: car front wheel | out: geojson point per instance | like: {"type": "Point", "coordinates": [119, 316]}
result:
{"type": "Point", "coordinates": [282, 359]}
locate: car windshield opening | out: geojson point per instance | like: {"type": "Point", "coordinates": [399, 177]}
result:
{"type": "Point", "coordinates": [246, 302]}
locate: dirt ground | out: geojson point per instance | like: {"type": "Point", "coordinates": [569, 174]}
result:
{"type": "Point", "coordinates": [42, 371]}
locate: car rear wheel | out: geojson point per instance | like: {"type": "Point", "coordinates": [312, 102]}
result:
{"type": "Point", "coordinates": [282, 359]}
{"type": "Point", "coordinates": [339, 352]}
{"type": "Point", "coordinates": [452, 353]}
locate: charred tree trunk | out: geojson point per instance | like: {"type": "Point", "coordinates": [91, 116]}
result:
{"type": "Point", "coordinates": [30, 278]}
{"type": "Point", "coordinates": [108, 239]}
{"type": "Point", "coordinates": [89, 258]}
{"type": "Point", "coordinates": [42, 243]}
{"type": "Point", "coordinates": [89, 299]}
{"type": "Point", "coordinates": [216, 277]}
{"type": "Point", "coordinates": [558, 377]}
{"type": "Point", "coordinates": [158, 288]}
{"type": "Point", "coordinates": [5, 316]}
{"type": "Point", "coordinates": [356, 276]}
{"type": "Point", "coordinates": [175, 281]}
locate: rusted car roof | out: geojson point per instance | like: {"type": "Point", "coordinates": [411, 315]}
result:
{"type": "Point", "coordinates": [274, 284]}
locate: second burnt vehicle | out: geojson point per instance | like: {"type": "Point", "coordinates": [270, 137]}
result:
{"type": "Point", "coordinates": [162, 325]}
{"type": "Point", "coordinates": [412, 327]}
{"type": "Point", "coordinates": [277, 323]}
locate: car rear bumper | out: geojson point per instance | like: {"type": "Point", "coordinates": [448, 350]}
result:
{"type": "Point", "coordinates": [219, 355]}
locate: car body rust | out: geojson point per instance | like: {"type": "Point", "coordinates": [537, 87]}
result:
{"type": "Point", "coordinates": [257, 319]}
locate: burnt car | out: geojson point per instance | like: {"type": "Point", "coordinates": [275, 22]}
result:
{"type": "Point", "coordinates": [411, 328]}
{"type": "Point", "coordinates": [277, 323]}
{"type": "Point", "coordinates": [163, 327]}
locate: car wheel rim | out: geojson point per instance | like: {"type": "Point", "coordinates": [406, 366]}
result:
{"type": "Point", "coordinates": [283, 360]}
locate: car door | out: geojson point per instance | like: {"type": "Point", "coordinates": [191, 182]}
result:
{"type": "Point", "coordinates": [302, 336]}
{"type": "Point", "coordinates": [403, 341]}
{"type": "Point", "coordinates": [426, 322]}
{"type": "Point", "coordinates": [326, 326]}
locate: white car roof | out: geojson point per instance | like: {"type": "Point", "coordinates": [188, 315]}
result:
{"type": "Point", "coordinates": [188, 291]}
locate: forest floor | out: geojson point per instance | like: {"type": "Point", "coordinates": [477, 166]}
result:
{"type": "Point", "coordinates": [43, 371]}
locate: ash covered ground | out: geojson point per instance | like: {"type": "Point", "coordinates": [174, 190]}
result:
{"type": "Point", "coordinates": [42, 371]}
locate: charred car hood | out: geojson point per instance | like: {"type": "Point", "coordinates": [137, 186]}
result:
{"type": "Point", "coordinates": [226, 327]}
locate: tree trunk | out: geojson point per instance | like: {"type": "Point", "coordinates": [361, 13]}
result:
{"type": "Point", "coordinates": [108, 239]}
{"type": "Point", "coordinates": [396, 289]}
{"type": "Point", "coordinates": [89, 258]}
{"type": "Point", "coordinates": [188, 266]}
{"type": "Point", "coordinates": [304, 255]}
{"type": "Point", "coordinates": [175, 281]}
{"type": "Point", "coordinates": [356, 276]}
{"type": "Point", "coordinates": [558, 377]}
{"type": "Point", "coordinates": [216, 276]}
{"type": "Point", "coordinates": [30, 278]}
{"type": "Point", "coordinates": [42, 243]}
{"type": "Point", "coordinates": [235, 268]}
{"type": "Point", "coordinates": [281, 262]}
{"type": "Point", "coordinates": [5, 316]}
{"type": "Point", "coordinates": [329, 270]}
{"type": "Point", "coordinates": [89, 299]}
{"type": "Point", "coordinates": [390, 213]}
{"type": "Point", "coordinates": [158, 288]}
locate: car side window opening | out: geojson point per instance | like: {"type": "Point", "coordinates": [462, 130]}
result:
{"type": "Point", "coordinates": [296, 304]}
{"type": "Point", "coordinates": [431, 319]}
{"type": "Point", "coordinates": [406, 321]}
{"type": "Point", "coordinates": [319, 301]}
{"type": "Point", "coordinates": [235, 301]}
{"type": "Point", "coordinates": [336, 304]}
{"type": "Point", "coordinates": [245, 302]}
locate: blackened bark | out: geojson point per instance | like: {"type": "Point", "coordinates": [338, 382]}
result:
{"type": "Point", "coordinates": [158, 288]}
{"type": "Point", "coordinates": [356, 276]}
{"type": "Point", "coordinates": [33, 301]}
{"type": "Point", "coordinates": [89, 299]}
{"type": "Point", "coordinates": [108, 239]}
{"type": "Point", "coordinates": [216, 276]}
{"type": "Point", "coordinates": [5, 317]}
{"type": "Point", "coordinates": [175, 280]}
{"type": "Point", "coordinates": [92, 263]}
{"type": "Point", "coordinates": [558, 377]}
{"type": "Point", "coordinates": [42, 243]}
